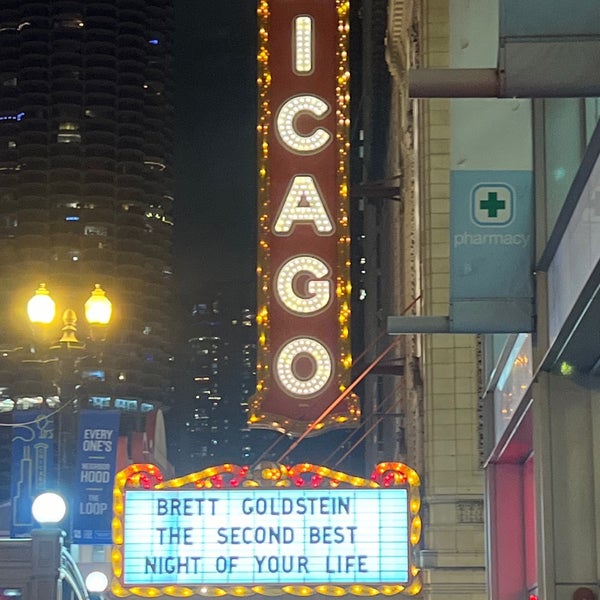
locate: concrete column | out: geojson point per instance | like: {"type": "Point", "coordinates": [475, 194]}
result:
{"type": "Point", "coordinates": [566, 453]}
{"type": "Point", "coordinates": [46, 556]}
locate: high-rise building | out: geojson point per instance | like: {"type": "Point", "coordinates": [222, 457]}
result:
{"type": "Point", "coordinates": [86, 151]}
{"type": "Point", "coordinates": [245, 340]}
{"type": "Point", "coordinates": [206, 365]}
{"type": "Point", "coordinates": [217, 378]}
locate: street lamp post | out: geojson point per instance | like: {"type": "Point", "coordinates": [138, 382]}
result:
{"type": "Point", "coordinates": [41, 310]}
{"type": "Point", "coordinates": [49, 510]}
{"type": "Point", "coordinates": [40, 566]}
{"type": "Point", "coordinates": [53, 569]}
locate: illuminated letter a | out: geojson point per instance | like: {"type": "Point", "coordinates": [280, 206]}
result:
{"type": "Point", "coordinates": [303, 204]}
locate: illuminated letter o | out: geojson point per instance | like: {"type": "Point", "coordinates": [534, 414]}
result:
{"type": "Point", "coordinates": [318, 291]}
{"type": "Point", "coordinates": [285, 368]}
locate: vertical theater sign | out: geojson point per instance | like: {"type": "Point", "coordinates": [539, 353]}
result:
{"type": "Point", "coordinates": [304, 357]}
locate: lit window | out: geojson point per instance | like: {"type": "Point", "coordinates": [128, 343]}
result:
{"type": "Point", "coordinates": [95, 230]}
{"type": "Point", "coordinates": [17, 117]}
{"type": "Point", "coordinates": [126, 404]}
{"type": "Point", "coordinates": [100, 401]}
{"type": "Point", "coordinates": [69, 204]}
{"type": "Point", "coordinates": [93, 375]}
{"type": "Point", "coordinates": [154, 212]}
{"type": "Point", "coordinates": [70, 22]}
{"type": "Point", "coordinates": [155, 166]}
{"type": "Point", "coordinates": [68, 133]}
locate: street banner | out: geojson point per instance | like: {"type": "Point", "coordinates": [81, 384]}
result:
{"type": "Point", "coordinates": [94, 475]}
{"type": "Point", "coordinates": [32, 465]}
{"type": "Point", "coordinates": [303, 264]}
{"type": "Point", "coordinates": [492, 251]}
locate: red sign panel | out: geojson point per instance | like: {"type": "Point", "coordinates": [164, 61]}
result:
{"type": "Point", "coordinates": [304, 358]}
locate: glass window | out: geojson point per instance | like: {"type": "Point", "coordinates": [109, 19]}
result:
{"type": "Point", "coordinates": [564, 146]}
{"type": "Point", "coordinates": [95, 230]}
{"type": "Point", "coordinates": [568, 124]}
{"type": "Point", "coordinates": [100, 401]}
{"type": "Point", "coordinates": [69, 21]}
{"type": "Point", "coordinates": [513, 383]}
{"type": "Point", "coordinates": [126, 404]}
{"type": "Point", "coordinates": [68, 133]}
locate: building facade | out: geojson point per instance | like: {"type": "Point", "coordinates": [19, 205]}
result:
{"type": "Point", "coordinates": [422, 402]}
{"type": "Point", "coordinates": [86, 158]}
{"type": "Point", "coordinates": [503, 327]}
{"type": "Point", "coordinates": [542, 388]}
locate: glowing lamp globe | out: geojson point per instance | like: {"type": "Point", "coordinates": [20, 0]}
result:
{"type": "Point", "coordinates": [41, 308]}
{"type": "Point", "coordinates": [98, 308]}
{"type": "Point", "coordinates": [49, 508]}
{"type": "Point", "coordinates": [96, 582]}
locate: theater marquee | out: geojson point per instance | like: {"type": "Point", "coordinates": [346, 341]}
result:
{"type": "Point", "coordinates": [296, 530]}
{"type": "Point", "coordinates": [304, 357]}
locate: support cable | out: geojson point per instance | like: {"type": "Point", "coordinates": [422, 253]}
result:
{"type": "Point", "coordinates": [354, 432]}
{"type": "Point", "coordinates": [283, 435]}
{"type": "Point", "coordinates": [368, 431]}
{"type": "Point", "coordinates": [345, 393]}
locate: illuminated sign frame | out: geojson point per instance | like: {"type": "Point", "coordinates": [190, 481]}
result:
{"type": "Point", "coordinates": [303, 271]}
{"type": "Point", "coordinates": [274, 486]}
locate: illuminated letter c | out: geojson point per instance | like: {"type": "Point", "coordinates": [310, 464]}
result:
{"type": "Point", "coordinates": [286, 124]}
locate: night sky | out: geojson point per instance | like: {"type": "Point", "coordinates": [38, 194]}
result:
{"type": "Point", "coordinates": [215, 101]}
{"type": "Point", "coordinates": [215, 214]}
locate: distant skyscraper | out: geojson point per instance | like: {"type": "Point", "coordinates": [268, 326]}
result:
{"type": "Point", "coordinates": [245, 329]}
{"type": "Point", "coordinates": [207, 352]}
{"type": "Point", "coordinates": [209, 392]}
{"type": "Point", "coordinates": [216, 382]}
{"type": "Point", "coordinates": [86, 146]}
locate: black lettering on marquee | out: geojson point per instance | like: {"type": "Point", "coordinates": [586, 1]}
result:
{"type": "Point", "coordinates": [175, 535]}
{"type": "Point", "coordinates": [156, 565]}
{"type": "Point", "coordinates": [282, 564]}
{"type": "Point", "coordinates": [186, 506]}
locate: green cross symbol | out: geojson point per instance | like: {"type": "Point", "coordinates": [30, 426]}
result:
{"type": "Point", "coordinates": [492, 205]}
